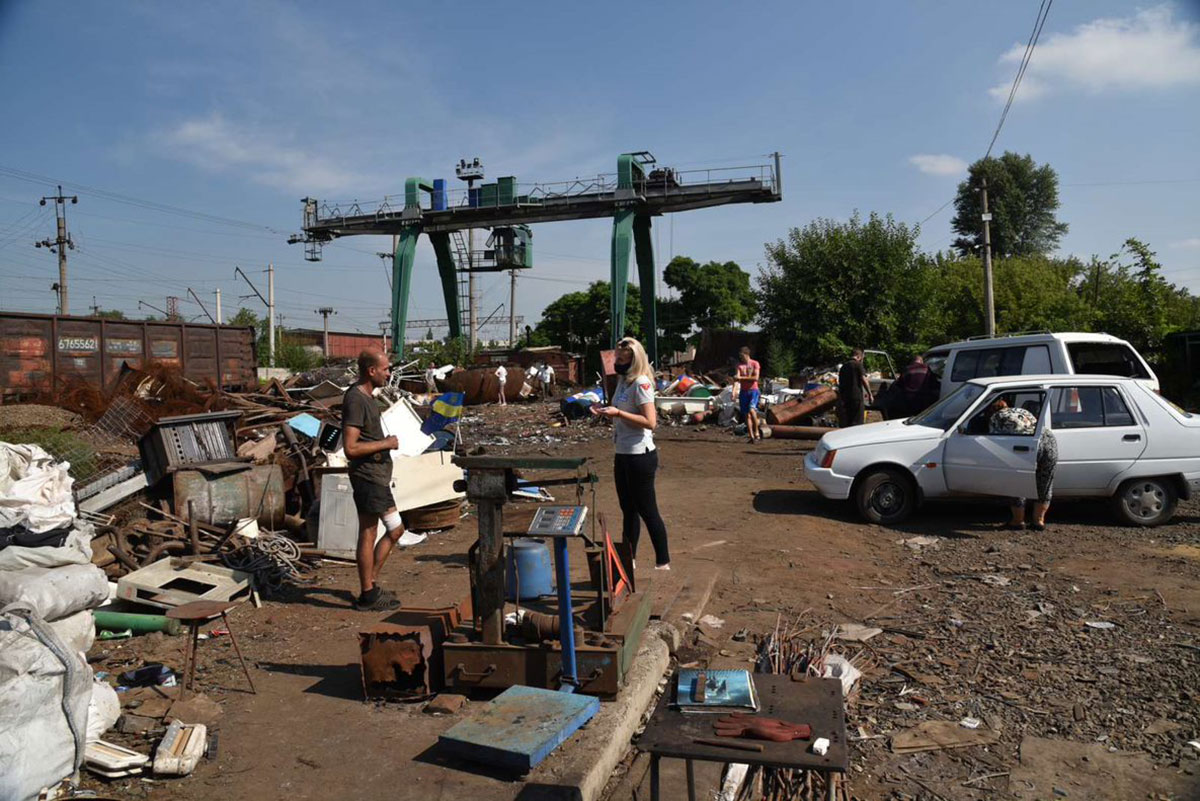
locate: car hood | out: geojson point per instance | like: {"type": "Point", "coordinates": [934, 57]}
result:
{"type": "Point", "coordinates": [876, 433]}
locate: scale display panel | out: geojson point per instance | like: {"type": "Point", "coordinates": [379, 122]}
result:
{"type": "Point", "coordinates": [558, 521]}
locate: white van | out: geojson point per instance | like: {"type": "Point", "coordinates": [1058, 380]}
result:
{"type": "Point", "coordinates": [1035, 354]}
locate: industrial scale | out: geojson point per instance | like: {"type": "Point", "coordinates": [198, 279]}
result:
{"type": "Point", "coordinates": [533, 648]}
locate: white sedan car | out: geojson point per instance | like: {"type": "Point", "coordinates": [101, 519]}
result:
{"type": "Point", "coordinates": [1116, 439]}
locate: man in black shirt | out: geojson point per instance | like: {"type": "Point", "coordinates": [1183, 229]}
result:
{"type": "Point", "coordinates": [853, 391]}
{"type": "Point", "coordinates": [368, 450]}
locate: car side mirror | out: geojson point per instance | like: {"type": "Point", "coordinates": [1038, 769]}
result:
{"type": "Point", "coordinates": [962, 429]}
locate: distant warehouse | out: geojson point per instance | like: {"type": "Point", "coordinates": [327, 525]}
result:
{"type": "Point", "coordinates": [40, 351]}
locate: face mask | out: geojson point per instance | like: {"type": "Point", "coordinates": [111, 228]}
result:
{"type": "Point", "coordinates": [622, 369]}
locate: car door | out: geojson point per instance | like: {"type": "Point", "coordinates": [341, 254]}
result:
{"type": "Point", "coordinates": [1099, 437]}
{"type": "Point", "coordinates": [977, 462]}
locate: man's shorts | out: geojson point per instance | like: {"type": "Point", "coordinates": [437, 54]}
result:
{"type": "Point", "coordinates": [371, 498]}
{"type": "Point", "coordinates": [747, 400]}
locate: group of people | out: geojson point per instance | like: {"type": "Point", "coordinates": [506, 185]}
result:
{"type": "Point", "coordinates": [539, 376]}
{"type": "Point", "coordinates": [635, 462]}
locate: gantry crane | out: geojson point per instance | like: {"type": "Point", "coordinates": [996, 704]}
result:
{"type": "Point", "coordinates": [638, 191]}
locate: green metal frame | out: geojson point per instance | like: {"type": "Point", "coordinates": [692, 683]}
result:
{"type": "Point", "coordinates": [402, 267]}
{"type": "Point", "coordinates": [631, 230]}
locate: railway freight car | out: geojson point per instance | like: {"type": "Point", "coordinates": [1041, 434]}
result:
{"type": "Point", "coordinates": [39, 351]}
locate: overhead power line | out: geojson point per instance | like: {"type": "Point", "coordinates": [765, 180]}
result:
{"type": "Point", "coordinates": [1035, 34]}
{"type": "Point", "coordinates": [116, 197]}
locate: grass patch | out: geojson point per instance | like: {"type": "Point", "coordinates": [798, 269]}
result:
{"type": "Point", "coordinates": [61, 444]}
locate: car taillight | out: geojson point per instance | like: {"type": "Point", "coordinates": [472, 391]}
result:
{"type": "Point", "coordinates": [827, 461]}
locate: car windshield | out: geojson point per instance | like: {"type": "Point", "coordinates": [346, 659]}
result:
{"type": "Point", "coordinates": [946, 412]}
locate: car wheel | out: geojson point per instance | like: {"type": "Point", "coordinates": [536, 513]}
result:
{"type": "Point", "coordinates": [886, 495]}
{"type": "Point", "coordinates": [1146, 501]}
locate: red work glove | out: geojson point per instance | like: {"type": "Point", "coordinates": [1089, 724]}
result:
{"type": "Point", "coordinates": [754, 727]}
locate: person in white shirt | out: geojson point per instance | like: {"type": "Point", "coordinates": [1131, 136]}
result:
{"type": "Point", "coordinates": [430, 380]}
{"type": "Point", "coordinates": [634, 420]}
{"type": "Point", "coordinates": [502, 376]}
{"type": "Point", "coordinates": [548, 380]}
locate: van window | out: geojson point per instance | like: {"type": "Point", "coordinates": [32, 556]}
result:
{"type": "Point", "coordinates": [936, 360]}
{"type": "Point", "coordinates": [988, 362]}
{"type": "Point", "coordinates": [1037, 361]}
{"type": "Point", "coordinates": [1105, 358]}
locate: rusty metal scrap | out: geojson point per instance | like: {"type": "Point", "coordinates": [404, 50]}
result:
{"type": "Point", "coordinates": [396, 661]}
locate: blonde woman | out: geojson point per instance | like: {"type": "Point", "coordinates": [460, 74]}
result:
{"type": "Point", "coordinates": [636, 461]}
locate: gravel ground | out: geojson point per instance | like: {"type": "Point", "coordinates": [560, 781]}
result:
{"type": "Point", "coordinates": [32, 415]}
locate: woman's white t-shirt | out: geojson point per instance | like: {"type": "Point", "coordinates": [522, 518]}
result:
{"type": "Point", "coordinates": [629, 397]}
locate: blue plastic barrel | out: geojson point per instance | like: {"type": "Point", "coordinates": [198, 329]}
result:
{"type": "Point", "coordinates": [528, 559]}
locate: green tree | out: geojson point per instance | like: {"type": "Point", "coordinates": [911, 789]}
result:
{"type": "Point", "coordinates": [711, 295]}
{"type": "Point", "coordinates": [429, 335]}
{"type": "Point", "coordinates": [832, 285]}
{"type": "Point", "coordinates": [111, 314]}
{"type": "Point", "coordinates": [579, 321]}
{"type": "Point", "coordinates": [1023, 201]}
{"type": "Point", "coordinates": [1131, 299]}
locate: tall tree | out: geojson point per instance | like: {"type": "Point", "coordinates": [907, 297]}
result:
{"type": "Point", "coordinates": [579, 321]}
{"type": "Point", "coordinates": [712, 295]}
{"type": "Point", "coordinates": [1023, 202]}
{"type": "Point", "coordinates": [833, 285]}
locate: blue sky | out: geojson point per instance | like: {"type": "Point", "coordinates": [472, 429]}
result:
{"type": "Point", "coordinates": [237, 110]}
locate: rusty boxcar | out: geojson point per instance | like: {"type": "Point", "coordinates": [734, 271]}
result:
{"type": "Point", "coordinates": [39, 350]}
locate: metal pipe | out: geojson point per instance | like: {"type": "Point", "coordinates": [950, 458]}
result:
{"type": "Point", "coordinates": [566, 616]}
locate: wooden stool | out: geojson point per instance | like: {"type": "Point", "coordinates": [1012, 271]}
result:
{"type": "Point", "coordinates": [194, 615]}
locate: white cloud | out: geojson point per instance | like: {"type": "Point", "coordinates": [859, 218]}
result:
{"type": "Point", "coordinates": [938, 164]}
{"type": "Point", "coordinates": [1149, 50]}
{"type": "Point", "coordinates": [1192, 242]}
{"type": "Point", "coordinates": [212, 143]}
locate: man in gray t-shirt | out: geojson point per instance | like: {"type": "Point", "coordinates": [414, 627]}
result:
{"type": "Point", "coordinates": [368, 450]}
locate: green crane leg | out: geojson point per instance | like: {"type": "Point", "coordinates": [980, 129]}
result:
{"type": "Point", "coordinates": [402, 267]}
{"type": "Point", "coordinates": [446, 269]}
{"type": "Point", "coordinates": [622, 238]}
{"type": "Point", "coordinates": [646, 282]}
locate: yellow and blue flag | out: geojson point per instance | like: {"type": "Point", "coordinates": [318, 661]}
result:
{"type": "Point", "coordinates": [446, 408]}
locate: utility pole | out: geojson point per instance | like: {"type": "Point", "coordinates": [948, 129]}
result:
{"type": "Point", "coordinates": [512, 308]}
{"type": "Point", "coordinates": [270, 304]}
{"type": "Point", "coordinates": [271, 310]}
{"type": "Point", "coordinates": [220, 319]}
{"type": "Point", "coordinates": [471, 171]}
{"type": "Point", "coordinates": [60, 244]}
{"type": "Point", "coordinates": [95, 308]}
{"type": "Point", "coordinates": [172, 307]}
{"type": "Point", "coordinates": [325, 311]}
{"type": "Point", "coordinates": [384, 327]}
{"type": "Point", "coordinates": [989, 298]}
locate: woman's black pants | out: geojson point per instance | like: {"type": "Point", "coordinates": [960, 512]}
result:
{"type": "Point", "coordinates": [633, 474]}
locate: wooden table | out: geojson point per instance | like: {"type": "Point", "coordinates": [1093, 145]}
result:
{"type": "Point", "coordinates": [817, 702]}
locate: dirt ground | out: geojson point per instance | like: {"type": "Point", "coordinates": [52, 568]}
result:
{"type": "Point", "coordinates": [978, 622]}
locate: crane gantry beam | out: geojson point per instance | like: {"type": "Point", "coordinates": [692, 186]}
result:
{"type": "Point", "coordinates": [632, 197]}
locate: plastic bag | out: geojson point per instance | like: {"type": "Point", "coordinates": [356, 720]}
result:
{"type": "Point", "coordinates": [34, 491]}
{"type": "Point", "coordinates": [77, 550]}
{"type": "Point", "coordinates": [104, 708]}
{"type": "Point", "coordinates": [45, 689]}
{"type": "Point", "coordinates": [55, 593]}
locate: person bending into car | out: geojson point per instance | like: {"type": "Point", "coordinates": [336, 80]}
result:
{"type": "Point", "coordinates": [369, 453]}
{"type": "Point", "coordinates": [1005, 419]}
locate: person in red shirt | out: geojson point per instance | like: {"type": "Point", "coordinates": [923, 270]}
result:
{"type": "Point", "coordinates": [747, 391]}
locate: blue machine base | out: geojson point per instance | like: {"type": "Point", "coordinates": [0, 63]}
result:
{"type": "Point", "coordinates": [519, 727]}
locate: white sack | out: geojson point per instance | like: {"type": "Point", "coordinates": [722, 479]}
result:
{"type": "Point", "coordinates": [54, 593]}
{"type": "Point", "coordinates": [45, 689]}
{"type": "Point", "coordinates": [103, 710]}
{"type": "Point", "coordinates": [34, 491]}
{"type": "Point", "coordinates": [77, 631]}
{"type": "Point", "coordinates": [77, 550]}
